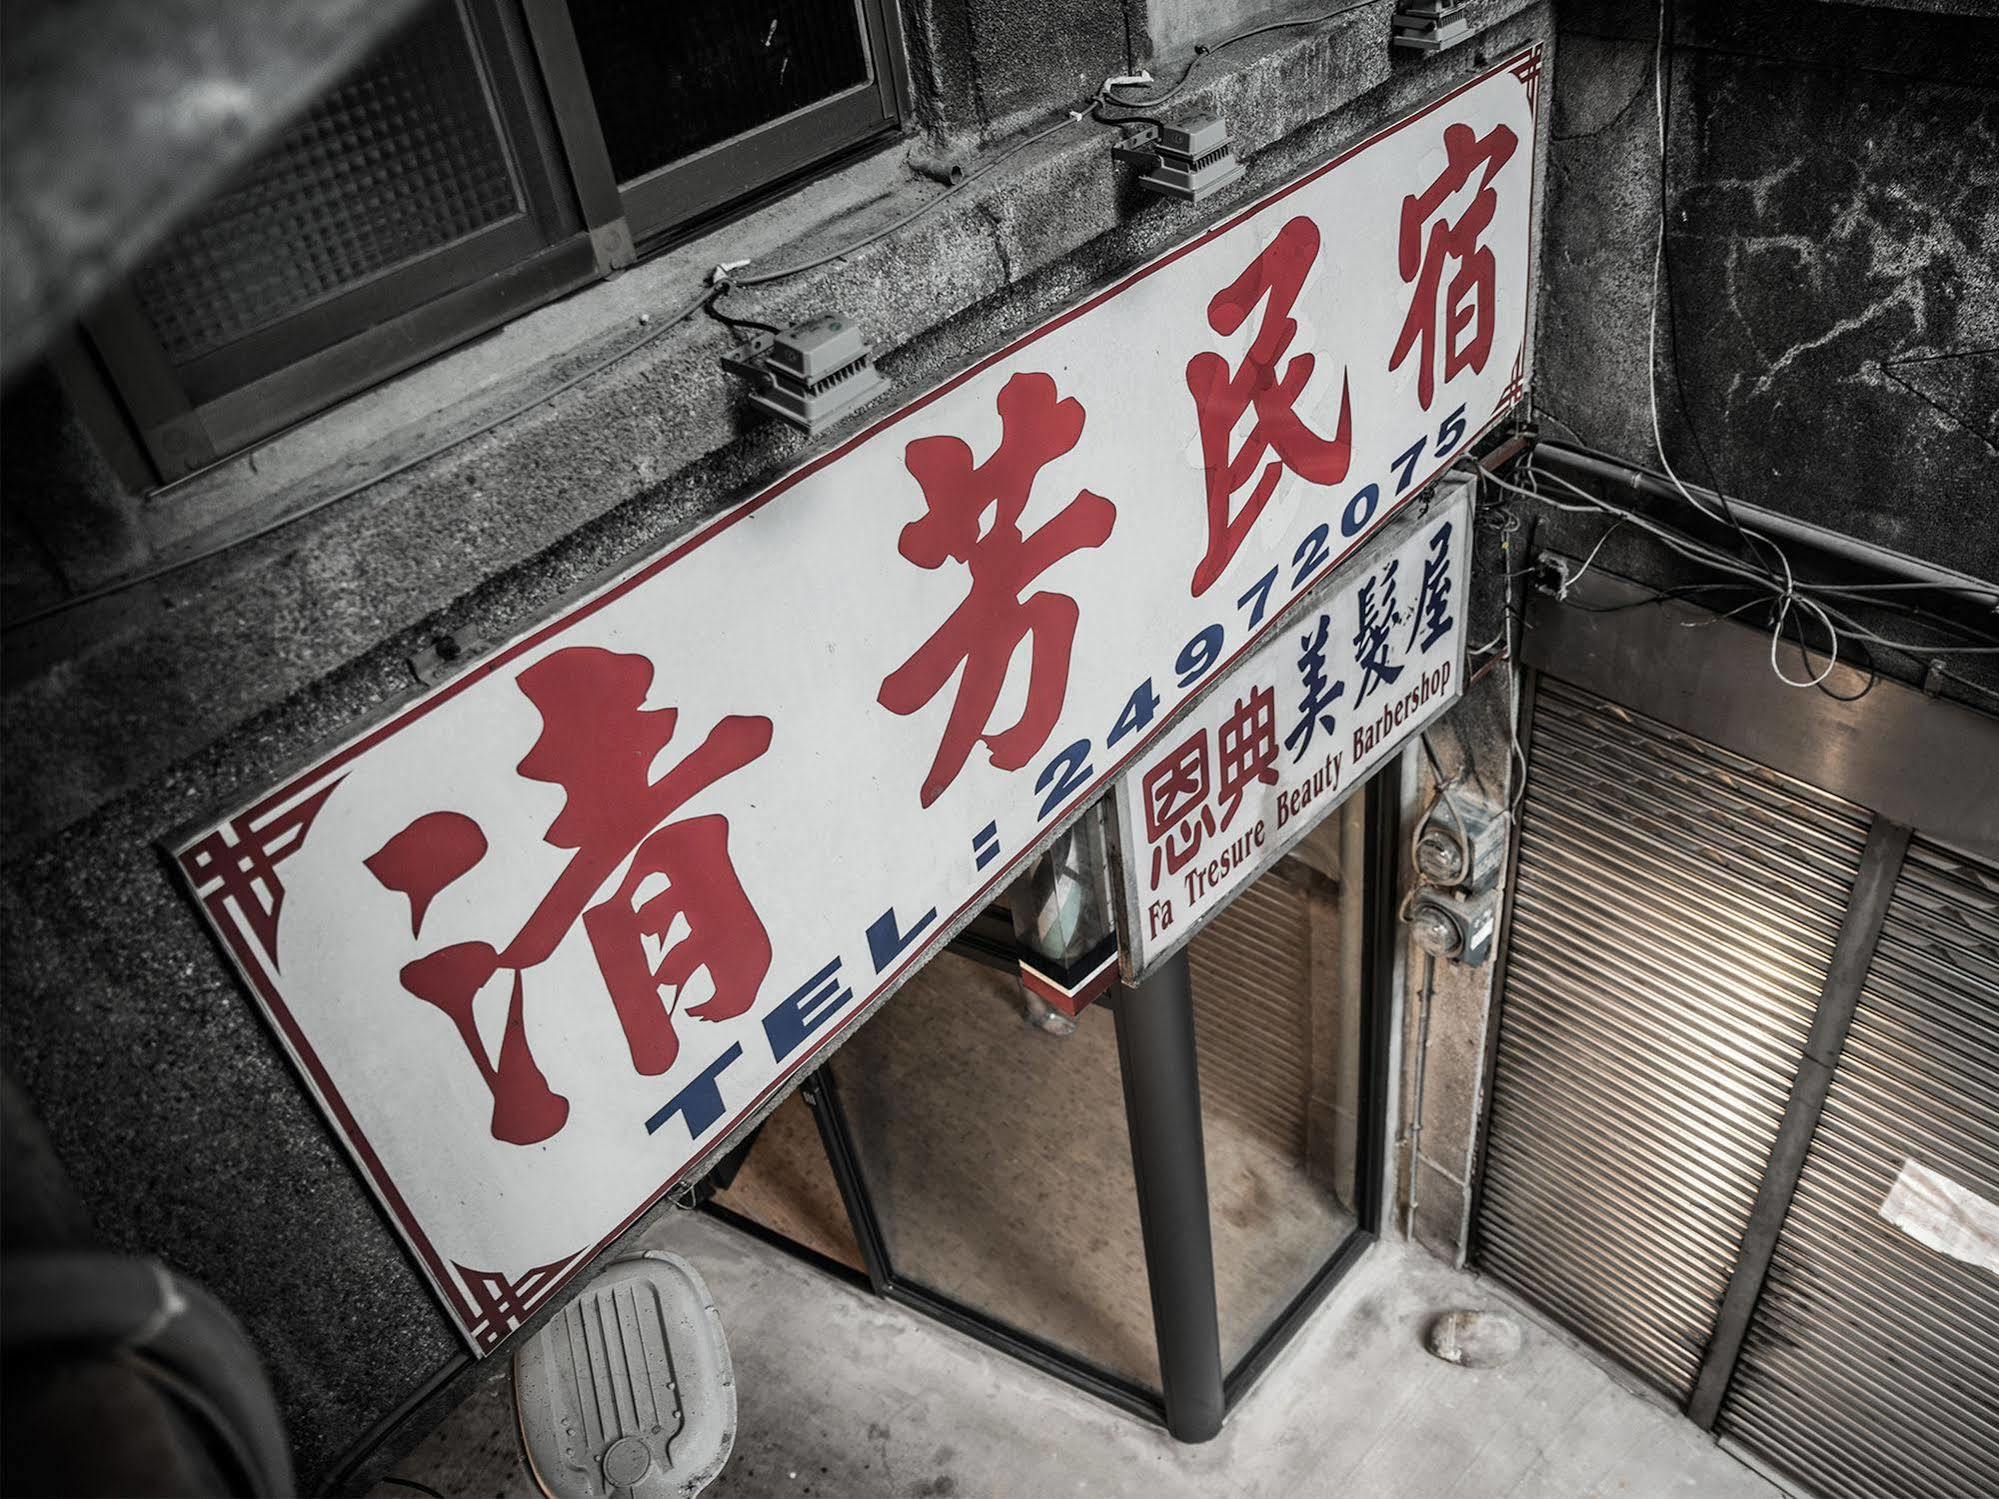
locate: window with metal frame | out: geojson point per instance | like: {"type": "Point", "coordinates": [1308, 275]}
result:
{"type": "Point", "coordinates": [490, 156]}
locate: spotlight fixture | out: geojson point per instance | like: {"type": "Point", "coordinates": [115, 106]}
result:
{"type": "Point", "coordinates": [1429, 25]}
{"type": "Point", "coordinates": [1464, 854]}
{"type": "Point", "coordinates": [811, 375]}
{"type": "Point", "coordinates": [1458, 928]}
{"type": "Point", "coordinates": [1190, 161]}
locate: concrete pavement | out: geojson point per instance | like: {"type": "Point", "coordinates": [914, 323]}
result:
{"type": "Point", "coordinates": [844, 1396]}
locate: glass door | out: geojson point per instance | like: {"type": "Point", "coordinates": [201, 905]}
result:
{"type": "Point", "coordinates": [980, 1149]}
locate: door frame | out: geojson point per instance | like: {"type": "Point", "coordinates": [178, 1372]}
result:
{"type": "Point", "coordinates": [1383, 822]}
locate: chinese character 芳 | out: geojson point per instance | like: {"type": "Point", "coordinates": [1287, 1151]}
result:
{"type": "Point", "coordinates": [1465, 306]}
{"type": "Point", "coordinates": [985, 632]}
{"type": "Point", "coordinates": [1177, 814]}
{"type": "Point", "coordinates": [1223, 396]}
{"type": "Point", "coordinates": [1246, 744]}
{"type": "Point", "coordinates": [1433, 599]}
{"type": "Point", "coordinates": [599, 743]}
{"type": "Point", "coordinates": [1378, 615]}
{"type": "Point", "coordinates": [1315, 710]}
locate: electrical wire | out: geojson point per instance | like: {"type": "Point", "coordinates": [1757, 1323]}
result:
{"type": "Point", "coordinates": [1202, 53]}
{"type": "Point", "coordinates": [1662, 82]}
{"type": "Point", "coordinates": [1094, 112]}
{"type": "Point", "coordinates": [1978, 687]}
{"type": "Point", "coordinates": [721, 282]}
{"type": "Point", "coordinates": [1702, 552]}
{"type": "Point", "coordinates": [1788, 593]}
{"type": "Point", "coordinates": [1511, 618]}
{"type": "Point", "coordinates": [1514, 753]}
{"type": "Point", "coordinates": [1970, 588]}
{"type": "Point", "coordinates": [1097, 114]}
{"type": "Point", "coordinates": [712, 307]}
{"type": "Point", "coordinates": [1590, 561]}
{"type": "Point", "coordinates": [929, 205]}
{"type": "Point", "coordinates": [655, 331]}
{"type": "Point", "coordinates": [1793, 599]}
{"type": "Point", "coordinates": [1659, 68]}
{"type": "Point", "coordinates": [1450, 803]}
{"type": "Point", "coordinates": [1859, 634]}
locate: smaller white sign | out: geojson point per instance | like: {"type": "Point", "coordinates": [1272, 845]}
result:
{"type": "Point", "coordinates": [1951, 1219]}
{"type": "Point", "coordinates": [1293, 731]}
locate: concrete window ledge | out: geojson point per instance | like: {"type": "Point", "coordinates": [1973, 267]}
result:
{"type": "Point", "coordinates": [490, 533]}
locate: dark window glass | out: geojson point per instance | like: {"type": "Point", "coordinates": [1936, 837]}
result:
{"type": "Point", "coordinates": [402, 159]}
{"type": "Point", "coordinates": [780, 1178]}
{"type": "Point", "coordinates": [997, 1160]}
{"type": "Point", "coordinates": [1277, 1031]}
{"type": "Point", "coordinates": [671, 79]}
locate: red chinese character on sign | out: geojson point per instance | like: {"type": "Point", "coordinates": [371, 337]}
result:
{"type": "Point", "coordinates": [1177, 814]}
{"type": "Point", "coordinates": [599, 743]}
{"type": "Point", "coordinates": [1222, 397]}
{"type": "Point", "coordinates": [1247, 744]}
{"type": "Point", "coordinates": [985, 632]}
{"type": "Point", "coordinates": [1466, 306]}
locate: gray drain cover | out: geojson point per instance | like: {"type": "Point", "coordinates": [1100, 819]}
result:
{"type": "Point", "coordinates": [627, 1393]}
{"type": "Point", "coordinates": [1476, 1340]}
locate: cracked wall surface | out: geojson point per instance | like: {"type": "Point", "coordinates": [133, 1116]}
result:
{"type": "Point", "coordinates": [1830, 345]}
{"type": "Point", "coordinates": [186, 1130]}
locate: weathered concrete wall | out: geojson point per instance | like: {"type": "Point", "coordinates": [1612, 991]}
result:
{"type": "Point", "coordinates": [985, 66]}
{"type": "Point", "coordinates": [104, 697]}
{"type": "Point", "coordinates": [185, 1127]}
{"type": "Point", "coordinates": [1832, 181]}
{"type": "Point", "coordinates": [1828, 346]}
{"type": "Point", "coordinates": [1440, 1135]}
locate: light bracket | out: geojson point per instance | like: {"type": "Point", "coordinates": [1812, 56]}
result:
{"type": "Point", "coordinates": [811, 375]}
{"type": "Point", "coordinates": [1429, 25]}
{"type": "Point", "coordinates": [1190, 160]}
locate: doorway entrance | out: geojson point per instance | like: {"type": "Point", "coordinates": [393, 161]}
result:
{"type": "Point", "coordinates": [969, 1155]}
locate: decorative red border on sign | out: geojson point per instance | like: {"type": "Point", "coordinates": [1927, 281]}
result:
{"type": "Point", "coordinates": [486, 1305]}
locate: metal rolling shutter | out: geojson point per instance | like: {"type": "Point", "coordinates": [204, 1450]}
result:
{"type": "Point", "coordinates": [1252, 1012]}
{"type": "Point", "coordinates": [1869, 1366]}
{"type": "Point", "coordinates": [1674, 911]}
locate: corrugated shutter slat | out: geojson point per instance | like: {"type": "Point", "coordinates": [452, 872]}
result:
{"type": "Point", "coordinates": [1252, 975]}
{"type": "Point", "coordinates": [1675, 909]}
{"type": "Point", "coordinates": [1869, 1366]}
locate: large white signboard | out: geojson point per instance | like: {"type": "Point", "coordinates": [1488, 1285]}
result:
{"type": "Point", "coordinates": [1292, 731]}
{"type": "Point", "coordinates": [539, 939]}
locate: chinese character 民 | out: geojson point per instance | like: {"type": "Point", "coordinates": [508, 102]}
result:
{"type": "Point", "coordinates": [1433, 600]}
{"type": "Point", "coordinates": [984, 633]}
{"type": "Point", "coordinates": [1246, 744]}
{"type": "Point", "coordinates": [1465, 307]}
{"type": "Point", "coordinates": [1177, 814]}
{"type": "Point", "coordinates": [1222, 397]}
{"type": "Point", "coordinates": [1370, 642]}
{"type": "Point", "coordinates": [598, 742]}
{"type": "Point", "coordinates": [1315, 710]}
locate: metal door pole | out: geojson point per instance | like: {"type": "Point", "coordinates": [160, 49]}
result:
{"type": "Point", "coordinates": [1162, 1109]}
